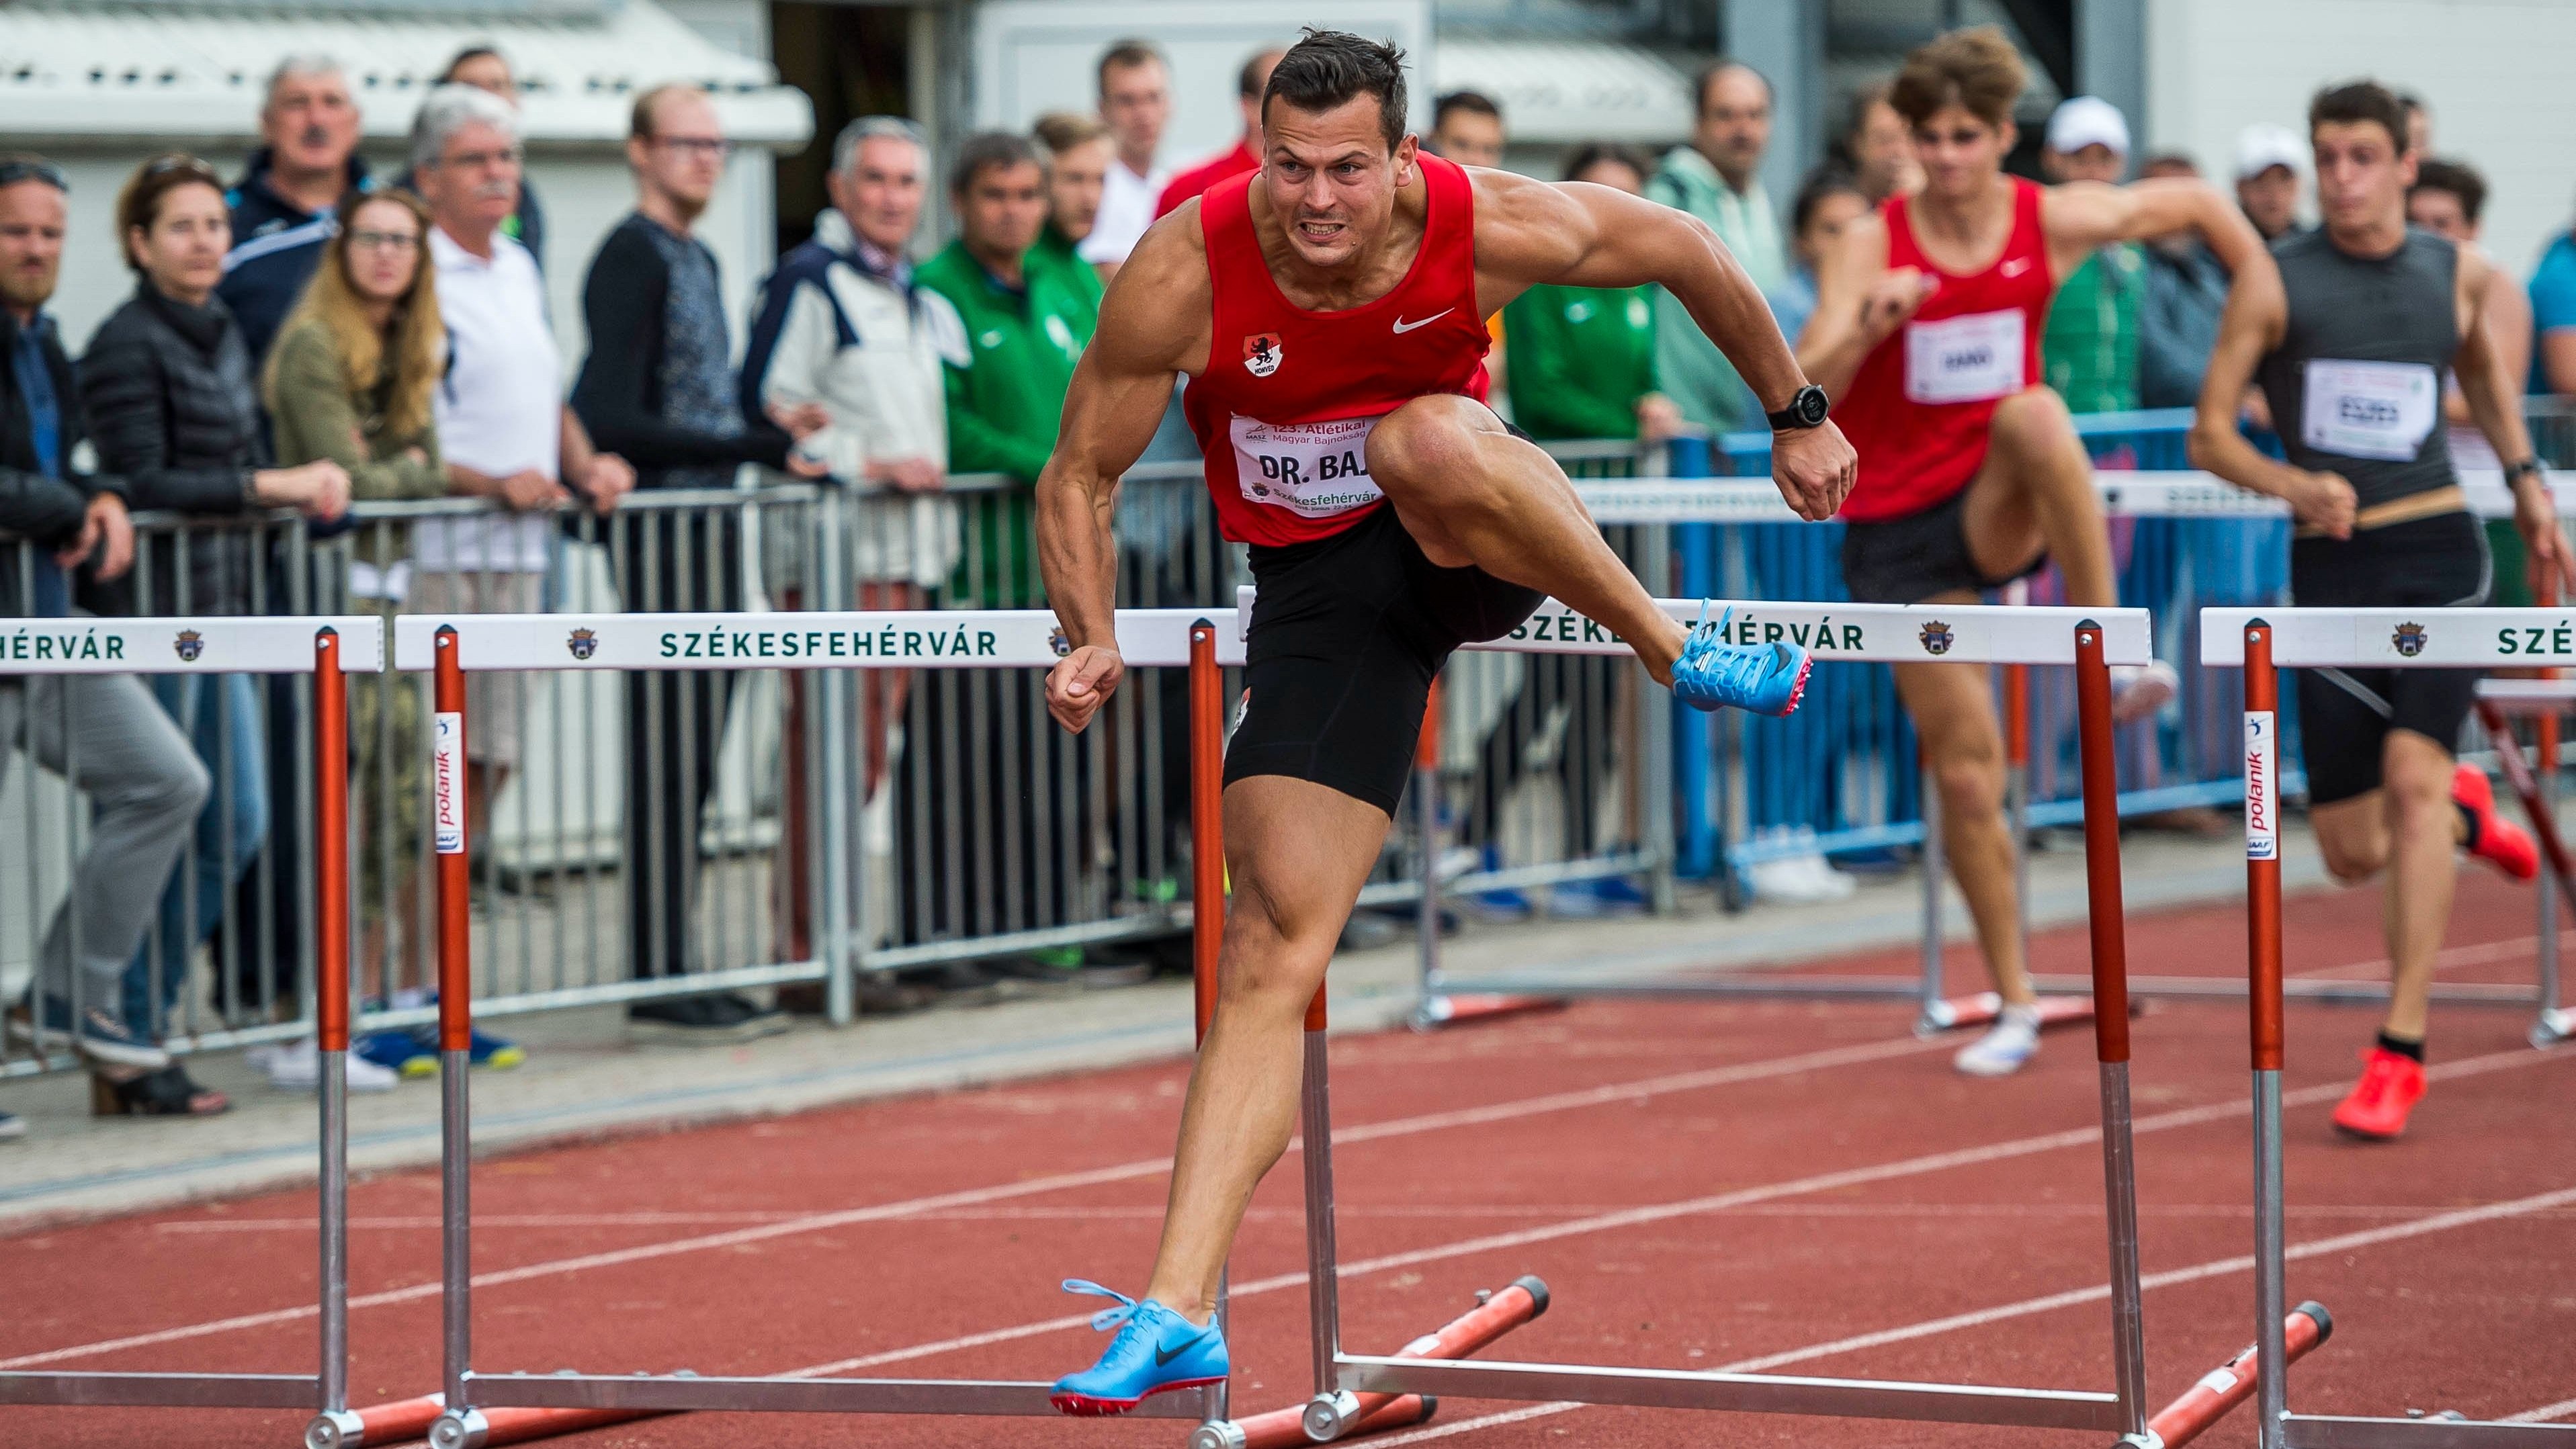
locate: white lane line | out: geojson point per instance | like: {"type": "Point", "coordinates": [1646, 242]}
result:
{"type": "Point", "coordinates": [2048, 1303]}
{"type": "Point", "coordinates": [1690, 1207]}
{"type": "Point", "coordinates": [1153, 1212]}
{"type": "Point", "coordinates": [1059, 1182]}
{"type": "Point", "coordinates": [2544, 1414]}
{"type": "Point", "coordinates": [2483, 953]}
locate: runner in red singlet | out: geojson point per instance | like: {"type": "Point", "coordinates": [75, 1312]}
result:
{"type": "Point", "coordinates": [1926, 330]}
{"type": "Point", "coordinates": [1329, 311]}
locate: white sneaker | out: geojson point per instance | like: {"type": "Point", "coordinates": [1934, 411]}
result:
{"type": "Point", "coordinates": [298, 1068]}
{"type": "Point", "coordinates": [2012, 1041]}
{"type": "Point", "coordinates": [2139, 690]}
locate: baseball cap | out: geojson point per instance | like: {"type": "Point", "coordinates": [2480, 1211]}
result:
{"type": "Point", "coordinates": [2262, 146]}
{"type": "Point", "coordinates": [2082, 121]}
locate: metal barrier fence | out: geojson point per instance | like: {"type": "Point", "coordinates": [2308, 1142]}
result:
{"type": "Point", "coordinates": [634, 840]}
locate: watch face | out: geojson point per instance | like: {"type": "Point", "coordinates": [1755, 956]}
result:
{"type": "Point", "coordinates": [1810, 405]}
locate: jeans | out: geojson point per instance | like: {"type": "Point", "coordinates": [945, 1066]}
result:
{"type": "Point", "coordinates": [104, 734]}
{"type": "Point", "coordinates": [220, 714]}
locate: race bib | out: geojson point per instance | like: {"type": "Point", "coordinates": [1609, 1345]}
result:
{"type": "Point", "coordinates": [2369, 409]}
{"type": "Point", "coordinates": [1973, 358]}
{"type": "Point", "coordinates": [1314, 470]}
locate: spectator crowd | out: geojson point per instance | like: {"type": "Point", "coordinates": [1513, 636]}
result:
{"type": "Point", "coordinates": [310, 335]}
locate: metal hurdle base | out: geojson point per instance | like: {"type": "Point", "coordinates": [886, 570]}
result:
{"type": "Point", "coordinates": [672, 1393]}
{"type": "Point", "coordinates": [1740, 1393]}
{"type": "Point", "coordinates": [2329, 1431]}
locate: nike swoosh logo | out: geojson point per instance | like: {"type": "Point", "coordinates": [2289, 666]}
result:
{"type": "Point", "coordinates": [1402, 326]}
{"type": "Point", "coordinates": [2015, 267]}
{"type": "Point", "coordinates": [1164, 1360]}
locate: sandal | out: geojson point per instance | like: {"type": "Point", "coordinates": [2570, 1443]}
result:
{"type": "Point", "coordinates": [168, 1092]}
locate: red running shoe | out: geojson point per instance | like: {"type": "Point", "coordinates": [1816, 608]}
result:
{"type": "Point", "coordinates": [2389, 1088]}
{"type": "Point", "coordinates": [2500, 843]}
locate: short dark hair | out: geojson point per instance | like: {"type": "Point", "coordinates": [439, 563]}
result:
{"type": "Point", "coordinates": [2456, 177]}
{"type": "Point", "coordinates": [1592, 153]}
{"type": "Point", "coordinates": [990, 151]}
{"type": "Point", "coordinates": [2354, 102]}
{"type": "Point", "coordinates": [1247, 81]}
{"type": "Point", "coordinates": [1474, 103]}
{"type": "Point", "coordinates": [1708, 75]}
{"type": "Point", "coordinates": [2170, 161]}
{"type": "Point", "coordinates": [1124, 54]}
{"type": "Point", "coordinates": [1327, 68]}
{"type": "Point", "coordinates": [1978, 69]}
{"type": "Point", "coordinates": [476, 51]}
{"type": "Point", "coordinates": [138, 204]}
{"type": "Point", "coordinates": [1822, 185]}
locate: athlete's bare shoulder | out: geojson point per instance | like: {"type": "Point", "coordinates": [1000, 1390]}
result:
{"type": "Point", "coordinates": [1160, 308]}
{"type": "Point", "coordinates": [1530, 231]}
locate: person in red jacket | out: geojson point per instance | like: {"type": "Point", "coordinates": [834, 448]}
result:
{"type": "Point", "coordinates": [1245, 156]}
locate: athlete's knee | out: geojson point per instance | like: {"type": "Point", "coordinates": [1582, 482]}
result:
{"type": "Point", "coordinates": [1428, 444]}
{"type": "Point", "coordinates": [2419, 798]}
{"type": "Point", "coordinates": [1969, 784]}
{"type": "Point", "coordinates": [2352, 861]}
{"type": "Point", "coordinates": [1275, 949]}
{"type": "Point", "coordinates": [2032, 421]}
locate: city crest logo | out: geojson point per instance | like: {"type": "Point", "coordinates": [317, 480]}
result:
{"type": "Point", "coordinates": [2410, 639]}
{"type": "Point", "coordinates": [1060, 644]}
{"type": "Point", "coordinates": [1937, 637]}
{"type": "Point", "coordinates": [583, 643]}
{"type": "Point", "coordinates": [190, 644]}
{"type": "Point", "coordinates": [1262, 353]}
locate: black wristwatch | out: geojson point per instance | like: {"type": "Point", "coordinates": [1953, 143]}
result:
{"type": "Point", "coordinates": [1805, 410]}
{"type": "Point", "coordinates": [2513, 472]}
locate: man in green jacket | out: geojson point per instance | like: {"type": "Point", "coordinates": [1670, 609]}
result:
{"type": "Point", "coordinates": [1025, 328]}
{"type": "Point", "coordinates": [1717, 178]}
{"type": "Point", "coordinates": [1583, 358]}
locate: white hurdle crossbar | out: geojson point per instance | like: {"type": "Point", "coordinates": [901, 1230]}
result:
{"type": "Point", "coordinates": [2261, 642]}
{"type": "Point", "coordinates": [329, 648]}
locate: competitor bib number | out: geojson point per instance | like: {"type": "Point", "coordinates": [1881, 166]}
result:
{"type": "Point", "coordinates": [1314, 470]}
{"type": "Point", "coordinates": [2262, 785]}
{"type": "Point", "coordinates": [1974, 358]}
{"type": "Point", "coordinates": [2369, 409]}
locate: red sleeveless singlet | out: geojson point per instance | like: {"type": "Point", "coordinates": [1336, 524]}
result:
{"type": "Point", "coordinates": [1919, 406]}
{"type": "Point", "coordinates": [1284, 409]}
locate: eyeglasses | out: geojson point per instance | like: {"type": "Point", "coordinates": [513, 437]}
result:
{"type": "Point", "coordinates": [34, 168]}
{"type": "Point", "coordinates": [384, 241]}
{"type": "Point", "coordinates": [702, 148]}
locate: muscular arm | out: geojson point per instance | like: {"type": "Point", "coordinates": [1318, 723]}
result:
{"type": "Point", "coordinates": [2252, 326]}
{"type": "Point", "coordinates": [1849, 320]}
{"type": "Point", "coordinates": [1577, 235]}
{"type": "Point", "coordinates": [2489, 386]}
{"type": "Point", "coordinates": [1154, 323]}
{"type": "Point", "coordinates": [1580, 235]}
{"type": "Point", "coordinates": [2083, 215]}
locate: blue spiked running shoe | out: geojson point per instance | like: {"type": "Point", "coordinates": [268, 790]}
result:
{"type": "Point", "coordinates": [1155, 1352]}
{"type": "Point", "coordinates": [1713, 674]}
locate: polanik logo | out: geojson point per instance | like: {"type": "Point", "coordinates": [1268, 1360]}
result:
{"type": "Point", "coordinates": [2410, 639]}
{"type": "Point", "coordinates": [583, 643]}
{"type": "Point", "coordinates": [1262, 354]}
{"type": "Point", "coordinates": [190, 644]}
{"type": "Point", "coordinates": [1937, 637]}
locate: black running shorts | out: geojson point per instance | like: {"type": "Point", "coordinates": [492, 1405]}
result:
{"type": "Point", "coordinates": [2345, 714]}
{"type": "Point", "coordinates": [1347, 632]}
{"type": "Point", "coordinates": [1916, 557]}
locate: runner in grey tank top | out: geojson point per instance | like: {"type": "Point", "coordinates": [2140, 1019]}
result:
{"type": "Point", "coordinates": [2355, 383]}
{"type": "Point", "coordinates": [2350, 355]}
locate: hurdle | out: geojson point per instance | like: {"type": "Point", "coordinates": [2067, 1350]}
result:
{"type": "Point", "coordinates": [2261, 642]}
{"type": "Point", "coordinates": [2090, 640]}
{"type": "Point", "coordinates": [2500, 701]}
{"type": "Point", "coordinates": [329, 648]}
{"type": "Point", "coordinates": [967, 639]}
{"type": "Point", "coordinates": [2014, 637]}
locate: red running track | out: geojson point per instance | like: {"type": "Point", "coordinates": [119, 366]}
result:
{"type": "Point", "coordinates": [1758, 1185]}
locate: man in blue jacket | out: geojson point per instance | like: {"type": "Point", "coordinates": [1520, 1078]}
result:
{"type": "Point", "coordinates": [282, 207]}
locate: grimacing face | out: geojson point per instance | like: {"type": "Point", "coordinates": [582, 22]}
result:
{"type": "Point", "coordinates": [1330, 178]}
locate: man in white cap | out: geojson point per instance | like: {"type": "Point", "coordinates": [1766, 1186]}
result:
{"type": "Point", "coordinates": [2268, 158]}
{"type": "Point", "coordinates": [2089, 349]}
